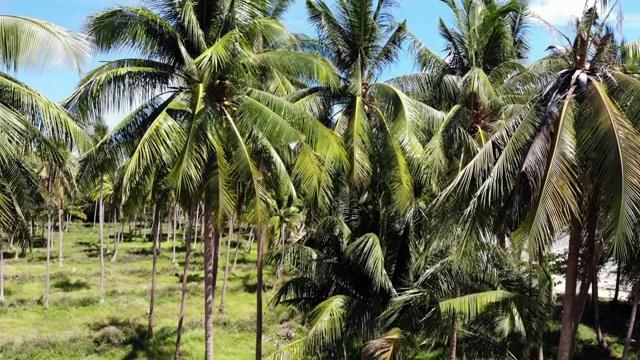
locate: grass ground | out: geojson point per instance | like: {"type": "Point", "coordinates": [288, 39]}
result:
{"type": "Point", "coordinates": [78, 325]}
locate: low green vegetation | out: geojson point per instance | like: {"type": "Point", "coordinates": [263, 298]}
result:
{"type": "Point", "coordinates": [79, 325]}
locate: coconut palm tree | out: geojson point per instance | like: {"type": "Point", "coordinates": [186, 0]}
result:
{"type": "Point", "coordinates": [484, 48]}
{"type": "Point", "coordinates": [375, 119]}
{"type": "Point", "coordinates": [204, 106]}
{"type": "Point", "coordinates": [546, 159]}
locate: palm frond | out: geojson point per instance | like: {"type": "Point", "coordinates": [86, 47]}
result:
{"type": "Point", "coordinates": [29, 44]}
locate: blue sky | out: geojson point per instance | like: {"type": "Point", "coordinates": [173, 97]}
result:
{"type": "Point", "coordinates": [421, 16]}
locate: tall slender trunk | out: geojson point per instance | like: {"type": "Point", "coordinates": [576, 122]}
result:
{"type": "Point", "coordinates": [226, 268]}
{"type": "Point", "coordinates": [2, 271]}
{"type": "Point", "coordinates": [259, 289]}
{"type": "Point", "coordinates": [101, 234]}
{"type": "Point", "coordinates": [60, 221]}
{"type": "Point", "coordinates": [614, 301]}
{"type": "Point", "coordinates": [453, 339]}
{"type": "Point", "coordinates": [283, 229]}
{"type": "Point", "coordinates": [540, 347]}
{"type": "Point", "coordinates": [632, 323]}
{"type": "Point", "coordinates": [590, 261]}
{"type": "Point", "coordinates": [211, 241]}
{"type": "Point", "coordinates": [144, 217]}
{"type": "Point", "coordinates": [169, 225]}
{"type": "Point", "coordinates": [108, 233]}
{"type": "Point", "coordinates": [250, 240]}
{"type": "Point", "coordinates": [117, 241]}
{"type": "Point", "coordinates": [566, 344]}
{"type": "Point", "coordinates": [185, 276]}
{"type": "Point", "coordinates": [202, 233]}
{"type": "Point", "coordinates": [66, 223]}
{"type": "Point", "coordinates": [155, 238]}
{"type": "Point", "coordinates": [595, 259]}
{"type": "Point", "coordinates": [117, 232]}
{"type": "Point", "coordinates": [49, 245]}
{"type": "Point", "coordinates": [578, 308]}
{"type": "Point", "coordinates": [196, 221]}
{"type": "Point", "coordinates": [95, 212]}
{"type": "Point", "coordinates": [175, 222]}
{"type": "Point", "coordinates": [235, 257]}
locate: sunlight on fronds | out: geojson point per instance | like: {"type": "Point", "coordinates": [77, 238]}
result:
{"type": "Point", "coordinates": [393, 345]}
{"type": "Point", "coordinates": [32, 44]}
{"type": "Point", "coordinates": [470, 306]}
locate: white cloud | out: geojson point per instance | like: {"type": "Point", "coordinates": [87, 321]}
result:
{"type": "Point", "coordinates": [558, 12]}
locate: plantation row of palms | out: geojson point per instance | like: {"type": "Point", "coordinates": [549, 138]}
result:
{"type": "Point", "coordinates": [399, 216]}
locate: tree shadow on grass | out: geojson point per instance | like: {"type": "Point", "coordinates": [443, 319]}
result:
{"type": "Point", "coordinates": [142, 252]}
{"type": "Point", "coordinates": [122, 332]}
{"type": "Point", "coordinates": [192, 278]}
{"type": "Point", "coordinates": [66, 285]}
{"type": "Point", "coordinates": [91, 249]}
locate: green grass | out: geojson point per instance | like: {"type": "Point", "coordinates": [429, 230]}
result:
{"type": "Point", "coordinates": [79, 325]}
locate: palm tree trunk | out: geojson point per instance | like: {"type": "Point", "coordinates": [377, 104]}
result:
{"type": "Point", "coordinates": [250, 240]}
{"type": "Point", "coordinates": [614, 301]}
{"type": "Point", "coordinates": [175, 222]}
{"type": "Point", "coordinates": [578, 307]}
{"type": "Point", "coordinates": [595, 259]}
{"type": "Point", "coordinates": [117, 242]}
{"type": "Point", "coordinates": [144, 217]}
{"type": "Point", "coordinates": [259, 289]}
{"type": "Point", "coordinates": [108, 233]}
{"type": "Point", "coordinates": [118, 227]}
{"type": "Point", "coordinates": [453, 339]}
{"type": "Point", "coordinates": [283, 229]}
{"type": "Point", "coordinates": [2, 272]}
{"type": "Point", "coordinates": [540, 347]}
{"type": "Point", "coordinates": [226, 269]}
{"type": "Point", "coordinates": [602, 342]}
{"type": "Point", "coordinates": [95, 212]}
{"type": "Point", "coordinates": [211, 241]}
{"type": "Point", "coordinates": [60, 221]}
{"type": "Point", "coordinates": [101, 234]}
{"type": "Point", "coordinates": [566, 344]}
{"type": "Point", "coordinates": [185, 275]}
{"type": "Point", "coordinates": [49, 245]}
{"type": "Point", "coordinates": [590, 261]}
{"type": "Point", "coordinates": [235, 257]}
{"type": "Point", "coordinates": [196, 221]}
{"type": "Point", "coordinates": [632, 323]}
{"type": "Point", "coordinates": [66, 223]}
{"type": "Point", "coordinates": [169, 225]}
{"type": "Point", "coordinates": [155, 238]}
{"type": "Point", "coordinates": [202, 233]}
